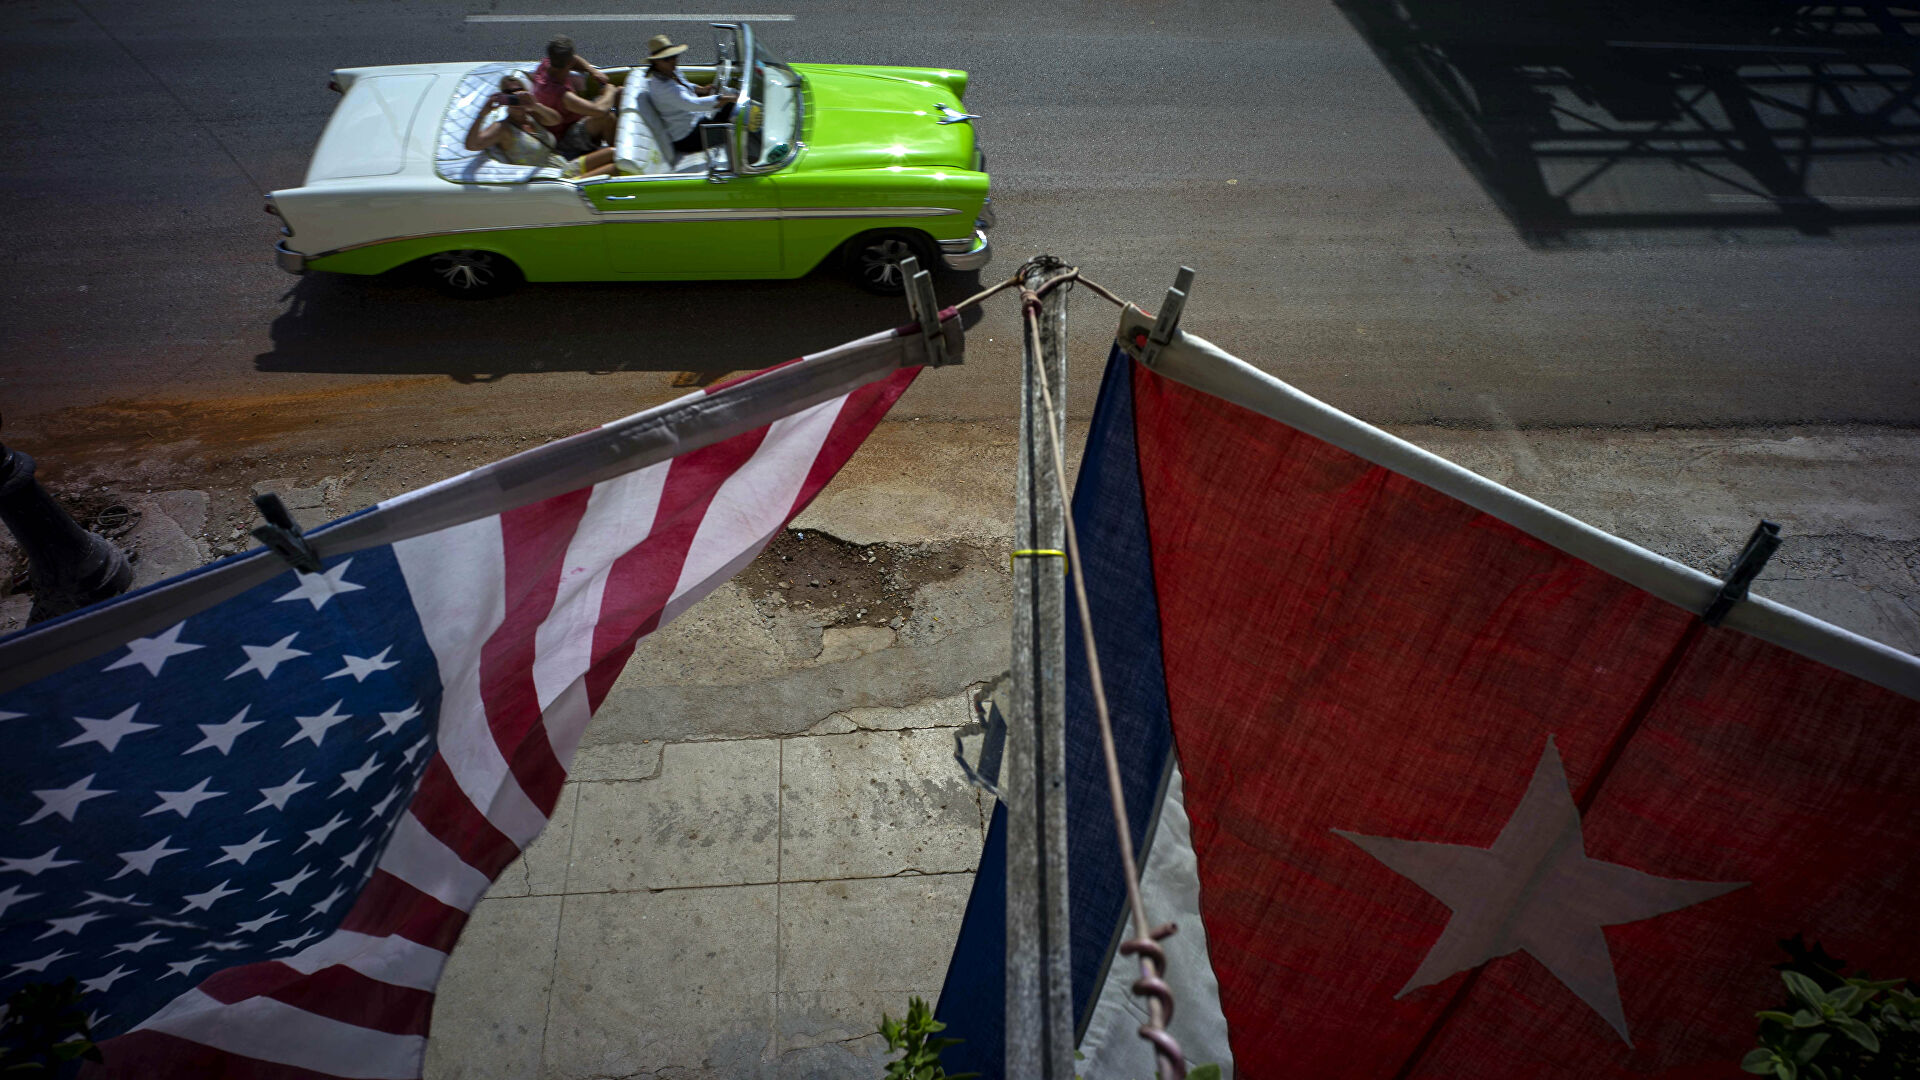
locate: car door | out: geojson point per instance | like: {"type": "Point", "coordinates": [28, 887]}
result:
{"type": "Point", "coordinates": [688, 227]}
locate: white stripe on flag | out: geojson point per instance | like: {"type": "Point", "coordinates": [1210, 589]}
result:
{"type": "Point", "coordinates": [269, 1030]}
{"type": "Point", "coordinates": [619, 516]}
{"type": "Point", "coordinates": [456, 578]}
{"type": "Point", "coordinates": [393, 959]}
{"type": "Point", "coordinates": [757, 497]}
{"type": "Point", "coordinates": [418, 858]}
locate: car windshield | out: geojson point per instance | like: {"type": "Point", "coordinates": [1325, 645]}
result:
{"type": "Point", "coordinates": [777, 91]}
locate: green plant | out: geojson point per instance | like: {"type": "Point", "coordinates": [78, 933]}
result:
{"type": "Point", "coordinates": [1837, 1027]}
{"type": "Point", "coordinates": [915, 1035]}
{"type": "Point", "coordinates": [45, 1031]}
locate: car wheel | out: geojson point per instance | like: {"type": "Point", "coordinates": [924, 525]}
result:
{"type": "Point", "coordinates": [472, 275]}
{"type": "Point", "coordinates": [874, 260]}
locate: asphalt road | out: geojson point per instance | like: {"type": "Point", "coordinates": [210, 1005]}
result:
{"type": "Point", "coordinates": [1340, 239]}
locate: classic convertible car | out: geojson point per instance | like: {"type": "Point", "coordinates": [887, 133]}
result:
{"type": "Point", "coordinates": [860, 165]}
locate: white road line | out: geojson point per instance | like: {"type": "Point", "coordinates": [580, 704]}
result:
{"type": "Point", "coordinates": [628, 18]}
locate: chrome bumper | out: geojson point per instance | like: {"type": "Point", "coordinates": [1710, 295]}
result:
{"type": "Point", "coordinates": [291, 261]}
{"type": "Point", "coordinates": [973, 252]}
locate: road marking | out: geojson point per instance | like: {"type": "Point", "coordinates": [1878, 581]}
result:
{"type": "Point", "coordinates": [627, 18]}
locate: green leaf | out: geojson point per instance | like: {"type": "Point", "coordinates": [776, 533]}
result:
{"type": "Point", "coordinates": [1758, 1060]}
{"type": "Point", "coordinates": [1786, 1070]}
{"type": "Point", "coordinates": [1803, 988]}
{"type": "Point", "coordinates": [1804, 1019]}
{"type": "Point", "coordinates": [1846, 999]}
{"type": "Point", "coordinates": [1860, 1033]}
{"type": "Point", "coordinates": [1772, 1016]}
{"type": "Point", "coordinates": [1204, 1072]}
{"type": "Point", "coordinates": [1811, 1047]}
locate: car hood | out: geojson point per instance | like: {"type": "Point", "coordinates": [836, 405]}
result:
{"type": "Point", "coordinates": [859, 119]}
{"type": "Point", "coordinates": [379, 127]}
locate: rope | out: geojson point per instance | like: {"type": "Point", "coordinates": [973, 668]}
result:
{"type": "Point", "coordinates": [1042, 262]}
{"type": "Point", "coordinates": [1145, 942]}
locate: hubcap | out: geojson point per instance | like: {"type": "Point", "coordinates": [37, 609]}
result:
{"type": "Point", "coordinates": [880, 262]}
{"type": "Point", "coordinates": [465, 269]}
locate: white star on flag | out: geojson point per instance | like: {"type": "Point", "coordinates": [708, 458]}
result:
{"type": "Point", "coordinates": [226, 946]}
{"type": "Point", "coordinates": [277, 797]}
{"type": "Point", "coordinates": [104, 898]}
{"type": "Point", "coordinates": [285, 886]}
{"type": "Point", "coordinates": [316, 727]}
{"type": "Point", "coordinates": [266, 659]}
{"type": "Point", "coordinates": [394, 721]}
{"type": "Point", "coordinates": [11, 896]}
{"type": "Point", "coordinates": [317, 589]}
{"type": "Point", "coordinates": [294, 943]}
{"type": "Point", "coordinates": [415, 748]}
{"type": "Point", "coordinates": [72, 924]}
{"type": "Point", "coordinates": [352, 857]}
{"type": "Point", "coordinates": [5, 715]}
{"type": "Point", "coordinates": [319, 835]}
{"type": "Point", "coordinates": [147, 942]}
{"type": "Point", "coordinates": [240, 853]}
{"type": "Point", "coordinates": [1536, 890]}
{"type": "Point", "coordinates": [41, 964]}
{"type": "Point", "coordinates": [103, 983]}
{"type": "Point", "coordinates": [254, 926]}
{"type": "Point", "coordinates": [380, 808]}
{"type": "Point", "coordinates": [353, 778]}
{"type": "Point", "coordinates": [177, 924]}
{"type": "Point", "coordinates": [220, 736]}
{"type": "Point", "coordinates": [107, 733]}
{"type": "Point", "coordinates": [320, 907]}
{"type": "Point", "coordinates": [362, 666]}
{"type": "Point", "coordinates": [34, 866]}
{"type": "Point", "coordinates": [152, 652]}
{"type": "Point", "coordinates": [65, 801]}
{"type": "Point", "coordinates": [185, 967]}
{"type": "Point", "coordinates": [183, 802]}
{"type": "Point", "coordinates": [143, 860]}
{"type": "Point", "coordinates": [205, 901]}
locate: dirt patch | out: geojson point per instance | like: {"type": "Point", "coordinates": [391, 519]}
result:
{"type": "Point", "coordinates": [838, 583]}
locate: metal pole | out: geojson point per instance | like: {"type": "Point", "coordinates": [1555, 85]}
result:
{"type": "Point", "coordinates": [69, 566]}
{"type": "Point", "coordinates": [1039, 1032]}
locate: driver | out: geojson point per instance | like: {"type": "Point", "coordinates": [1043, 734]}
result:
{"type": "Point", "coordinates": [681, 104]}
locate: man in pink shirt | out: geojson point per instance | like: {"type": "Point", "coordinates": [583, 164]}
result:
{"type": "Point", "coordinates": [562, 83]}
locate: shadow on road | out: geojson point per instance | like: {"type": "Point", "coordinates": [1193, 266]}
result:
{"type": "Point", "coordinates": [398, 325]}
{"type": "Point", "coordinates": [1667, 114]}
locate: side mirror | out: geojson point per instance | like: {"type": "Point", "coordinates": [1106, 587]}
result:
{"type": "Point", "coordinates": [717, 141]}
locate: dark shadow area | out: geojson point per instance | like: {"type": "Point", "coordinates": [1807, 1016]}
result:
{"type": "Point", "coordinates": [397, 324]}
{"type": "Point", "coordinates": [1667, 114]}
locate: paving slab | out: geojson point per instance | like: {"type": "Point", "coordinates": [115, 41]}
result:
{"type": "Point", "coordinates": [710, 818]}
{"type": "Point", "coordinates": [659, 981]}
{"type": "Point", "coordinates": [490, 1013]}
{"type": "Point", "coordinates": [875, 803]}
{"type": "Point", "coordinates": [852, 943]}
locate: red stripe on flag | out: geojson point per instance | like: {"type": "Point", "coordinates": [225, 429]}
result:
{"type": "Point", "coordinates": [336, 992]}
{"type": "Point", "coordinates": [389, 906]}
{"type": "Point", "coordinates": [534, 543]}
{"type": "Point", "coordinates": [858, 415]}
{"type": "Point", "coordinates": [446, 812]}
{"type": "Point", "coordinates": [155, 1055]}
{"type": "Point", "coordinates": [642, 580]}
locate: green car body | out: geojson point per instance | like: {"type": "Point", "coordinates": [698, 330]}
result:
{"type": "Point", "coordinates": [883, 156]}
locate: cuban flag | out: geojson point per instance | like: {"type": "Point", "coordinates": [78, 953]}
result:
{"type": "Point", "coordinates": [250, 808]}
{"type": "Point", "coordinates": [1437, 781]}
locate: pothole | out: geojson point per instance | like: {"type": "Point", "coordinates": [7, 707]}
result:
{"type": "Point", "coordinates": [839, 583]}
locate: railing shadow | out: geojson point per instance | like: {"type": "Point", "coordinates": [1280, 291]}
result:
{"type": "Point", "coordinates": [1667, 114]}
{"type": "Point", "coordinates": [397, 324]}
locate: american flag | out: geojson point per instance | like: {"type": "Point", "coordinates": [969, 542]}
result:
{"type": "Point", "coordinates": [254, 833]}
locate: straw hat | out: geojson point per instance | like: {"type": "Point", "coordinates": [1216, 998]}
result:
{"type": "Point", "coordinates": [660, 46]}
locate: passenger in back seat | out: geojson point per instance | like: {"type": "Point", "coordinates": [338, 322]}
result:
{"type": "Point", "coordinates": [561, 83]}
{"type": "Point", "coordinates": [522, 138]}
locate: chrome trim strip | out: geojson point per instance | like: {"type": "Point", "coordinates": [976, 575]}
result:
{"type": "Point", "coordinates": [644, 216]}
{"type": "Point", "coordinates": [979, 256]}
{"type": "Point", "coordinates": [288, 259]}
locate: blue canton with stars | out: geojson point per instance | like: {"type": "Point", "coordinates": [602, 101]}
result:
{"type": "Point", "coordinates": [212, 795]}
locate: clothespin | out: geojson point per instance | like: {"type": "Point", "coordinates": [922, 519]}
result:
{"type": "Point", "coordinates": [1746, 566]}
{"type": "Point", "coordinates": [283, 536]}
{"type": "Point", "coordinates": [1168, 321]}
{"type": "Point", "coordinates": [924, 309]}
